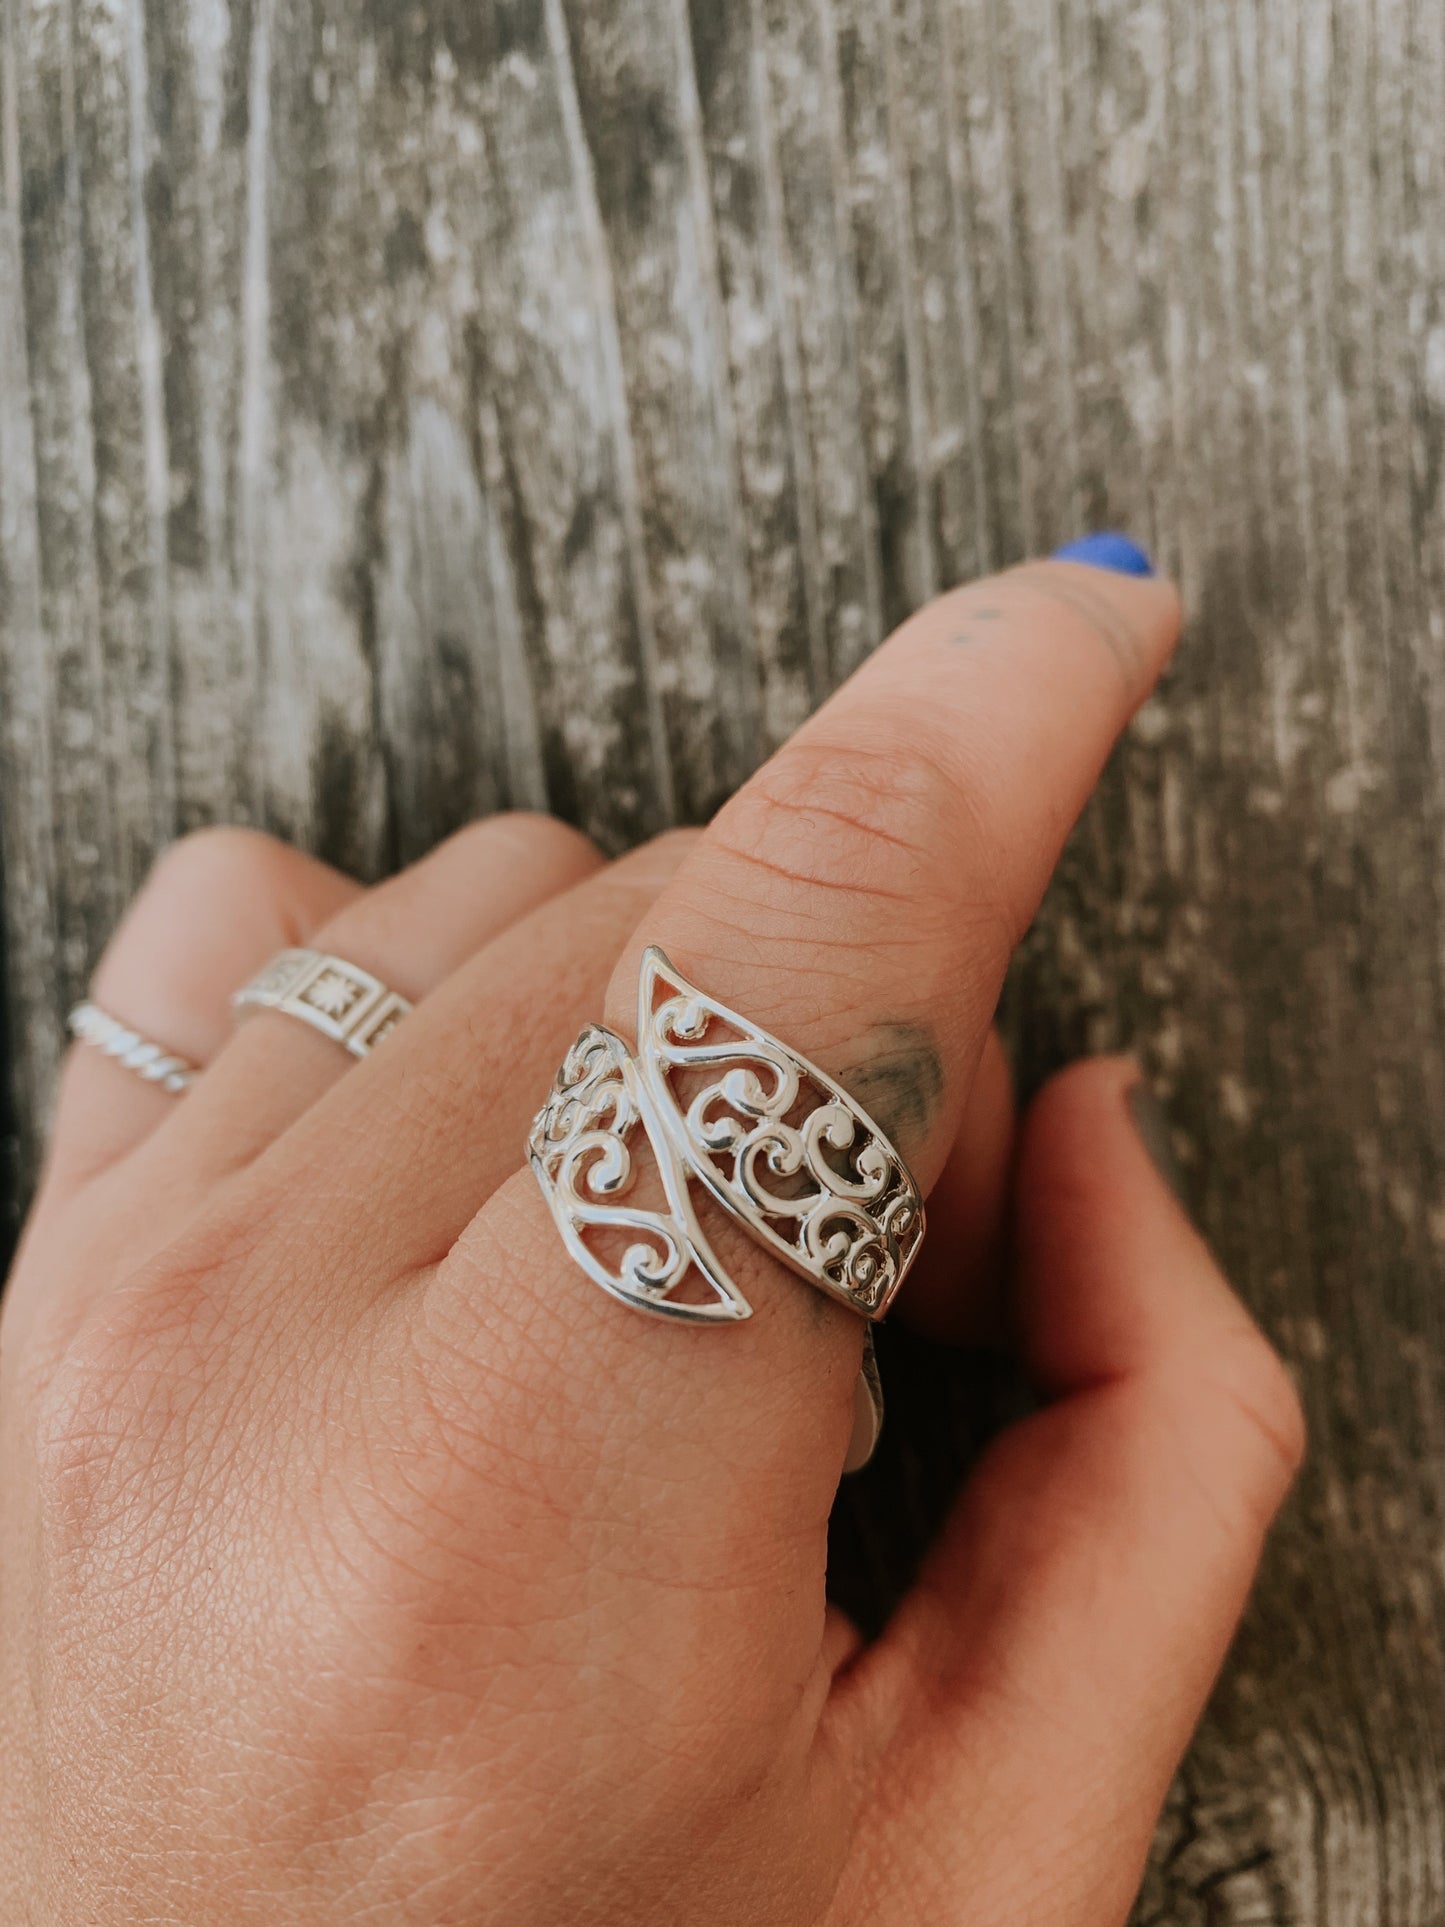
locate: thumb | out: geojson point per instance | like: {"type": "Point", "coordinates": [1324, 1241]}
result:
{"type": "Point", "coordinates": [1029, 1705]}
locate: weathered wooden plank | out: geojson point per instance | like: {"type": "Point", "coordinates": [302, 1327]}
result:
{"type": "Point", "coordinates": [774, 475]}
{"type": "Point", "coordinates": [800, 107]}
{"type": "Point", "coordinates": [410, 410]}
{"type": "Point", "coordinates": [540, 329]}
{"type": "Point", "coordinates": [640, 119]}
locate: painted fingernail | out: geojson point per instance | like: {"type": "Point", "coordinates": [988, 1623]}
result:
{"type": "Point", "coordinates": [1153, 1128]}
{"type": "Point", "coordinates": [1107, 550]}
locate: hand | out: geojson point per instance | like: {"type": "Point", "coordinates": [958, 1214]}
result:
{"type": "Point", "coordinates": [363, 1562]}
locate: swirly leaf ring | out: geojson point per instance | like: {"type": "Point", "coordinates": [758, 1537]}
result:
{"type": "Point", "coordinates": [777, 1142]}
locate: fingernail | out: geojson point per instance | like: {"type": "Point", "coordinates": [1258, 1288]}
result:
{"type": "Point", "coordinates": [1107, 550]}
{"type": "Point", "coordinates": [1153, 1128]}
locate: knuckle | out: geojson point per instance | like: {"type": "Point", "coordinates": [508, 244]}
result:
{"type": "Point", "coordinates": [668, 847]}
{"type": "Point", "coordinates": [117, 1423]}
{"type": "Point", "coordinates": [219, 857]}
{"type": "Point", "coordinates": [844, 816]}
{"type": "Point", "coordinates": [85, 1422]}
{"type": "Point", "coordinates": [99, 1432]}
{"type": "Point", "coordinates": [530, 834]}
{"type": "Point", "coordinates": [648, 869]}
{"type": "Point", "coordinates": [832, 842]}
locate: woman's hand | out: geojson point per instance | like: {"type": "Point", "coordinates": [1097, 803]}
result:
{"type": "Point", "coordinates": [361, 1561]}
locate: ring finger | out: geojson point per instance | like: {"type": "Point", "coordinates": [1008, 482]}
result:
{"type": "Point", "coordinates": [217, 908]}
{"type": "Point", "coordinates": [214, 908]}
{"type": "Point", "coordinates": [412, 932]}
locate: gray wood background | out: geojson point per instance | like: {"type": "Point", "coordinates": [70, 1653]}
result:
{"type": "Point", "coordinates": [410, 409]}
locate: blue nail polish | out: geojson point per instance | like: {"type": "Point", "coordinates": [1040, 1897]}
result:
{"type": "Point", "coordinates": [1107, 551]}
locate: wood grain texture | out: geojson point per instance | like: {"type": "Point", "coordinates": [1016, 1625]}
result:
{"type": "Point", "coordinates": [412, 409]}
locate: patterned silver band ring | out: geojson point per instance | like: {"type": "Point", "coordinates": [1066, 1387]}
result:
{"type": "Point", "coordinates": [777, 1143]}
{"type": "Point", "coordinates": [89, 1024]}
{"type": "Point", "coordinates": [346, 1004]}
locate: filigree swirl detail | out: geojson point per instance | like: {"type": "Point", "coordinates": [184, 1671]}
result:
{"type": "Point", "coordinates": [779, 1143]}
{"type": "Point", "coordinates": [580, 1147]}
{"type": "Point", "coordinates": [776, 1141]}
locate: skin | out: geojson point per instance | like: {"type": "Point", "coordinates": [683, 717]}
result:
{"type": "Point", "coordinates": [360, 1560]}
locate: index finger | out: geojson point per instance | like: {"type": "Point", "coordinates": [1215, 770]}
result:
{"type": "Point", "coordinates": [859, 899]}
{"type": "Point", "coordinates": [862, 894]}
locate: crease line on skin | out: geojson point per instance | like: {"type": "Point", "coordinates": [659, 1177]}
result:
{"type": "Point", "coordinates": [856, 823]}
{"type": "Point", "coordinates": [864, 891]}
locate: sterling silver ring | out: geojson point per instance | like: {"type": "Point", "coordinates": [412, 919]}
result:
{"type": "Point", "coordinates": [89, 1024]}
{"type": "Point", "coordinates": [776, 1142]}
{"type": "Point", "coordinates": [346, 1004]}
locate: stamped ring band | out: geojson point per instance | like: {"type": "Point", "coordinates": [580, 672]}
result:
{"type": "Point", "coordinates": [89, 1024]}
{"type": "Point", "coordinates": [777, 1143]}
{"type": "Point", "coordinates": [346, 1004]}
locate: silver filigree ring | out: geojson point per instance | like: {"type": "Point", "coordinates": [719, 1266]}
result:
{"type": "Point", "coordinates": [346, 1004]}
{"type": "Point", "coordinates": [777, 1142]}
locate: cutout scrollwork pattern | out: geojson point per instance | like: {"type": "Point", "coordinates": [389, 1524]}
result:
{"type": "Point", "coordinates": [581, 1148]}
{"type": "Point", "coordinates": [777, 1142]}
